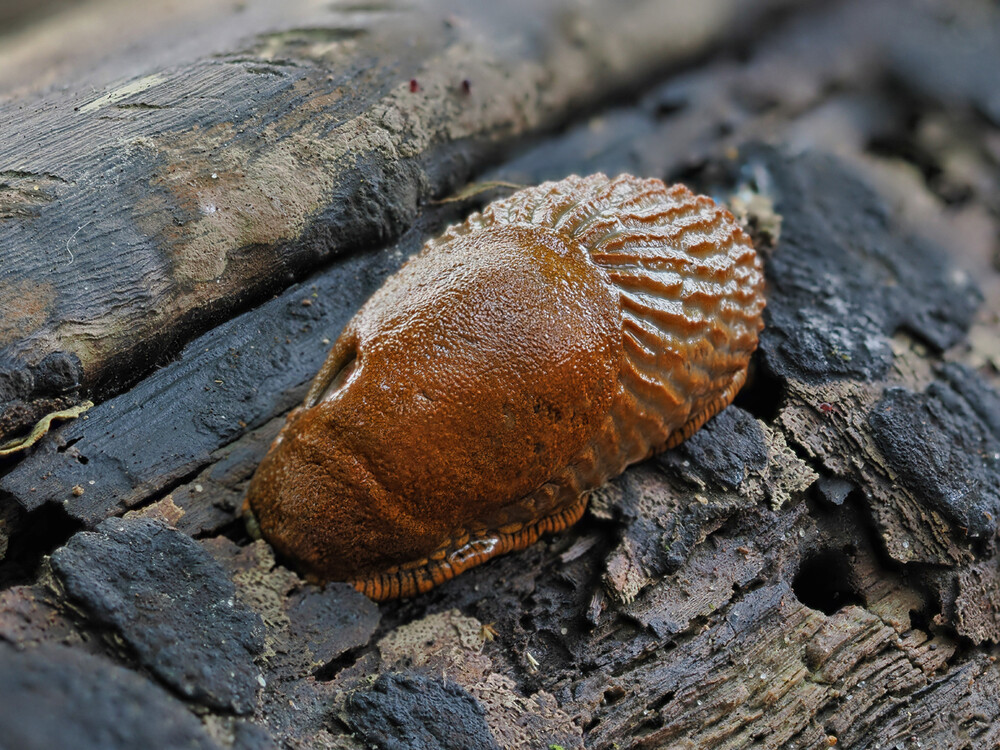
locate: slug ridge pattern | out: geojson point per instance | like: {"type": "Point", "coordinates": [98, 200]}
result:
{"type": "Point", "coordinates": [518, 361]}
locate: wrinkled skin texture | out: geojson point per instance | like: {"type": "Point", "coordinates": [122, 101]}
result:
{"type": "Point", "coordinates": [433, 432]}
{"type": "Point", "coordinates": [518, 361]}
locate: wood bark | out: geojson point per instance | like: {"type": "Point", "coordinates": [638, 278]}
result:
{"type": "Point", "coordinates": [816, 567]}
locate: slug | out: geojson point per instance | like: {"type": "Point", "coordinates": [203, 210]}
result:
{"type": "Point", "coordinates": [516, 362]}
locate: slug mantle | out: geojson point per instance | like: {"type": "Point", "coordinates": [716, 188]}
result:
{"type": "Point", "coordinates": [517, 362]}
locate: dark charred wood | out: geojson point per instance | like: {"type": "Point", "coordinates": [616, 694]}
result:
{"type": "Point", "coordinates": [817, 566]}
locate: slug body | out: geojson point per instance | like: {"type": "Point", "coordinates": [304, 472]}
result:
{"type": "Point", "coordinates": [518, 361]}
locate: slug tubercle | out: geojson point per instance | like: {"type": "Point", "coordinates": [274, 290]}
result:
{"type": "Point", "coordinates": [517, 362]}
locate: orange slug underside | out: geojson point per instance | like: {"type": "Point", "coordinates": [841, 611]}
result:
{"type": "Point", "coordinates": [517, 362]}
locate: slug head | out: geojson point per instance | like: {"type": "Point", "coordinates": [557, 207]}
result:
{"type": "Point", "coordinates": [475, 373]}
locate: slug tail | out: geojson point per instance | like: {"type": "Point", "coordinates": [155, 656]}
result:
{"type": "Point", "coordinates": [423, 575]}
{"type": "Point", "coordinates": [680, 435]}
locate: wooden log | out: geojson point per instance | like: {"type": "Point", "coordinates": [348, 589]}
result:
{"type": "Point", "coordinates": [818, 566]}
{"type": "Point", "coordinates": [134, 218]}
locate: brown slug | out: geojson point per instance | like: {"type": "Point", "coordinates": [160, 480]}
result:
{"type": "Point", "coordinates": [516, 362]}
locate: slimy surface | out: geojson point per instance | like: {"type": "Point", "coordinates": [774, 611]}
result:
{"type": "Point", "coordinates": [518, 361]}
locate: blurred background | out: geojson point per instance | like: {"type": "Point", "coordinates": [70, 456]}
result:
{"type": "Point", "coordinates": [45, 43]}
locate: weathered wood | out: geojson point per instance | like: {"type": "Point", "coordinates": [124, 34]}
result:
{"type": "Point", "coordinates": [136, 217]}
{"type": "Point", "coordinates": [234, 377]}
{"type": "Point", "coordinates": [817, 566]}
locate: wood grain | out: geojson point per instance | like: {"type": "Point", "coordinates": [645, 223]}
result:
{"type": "Point", "coordinates": [134, 217]}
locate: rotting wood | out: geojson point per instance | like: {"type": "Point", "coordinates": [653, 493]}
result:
{"type": "Point", "coordinates": [790, 578]}
{"type": "Point", "coordinates": [138, 216]}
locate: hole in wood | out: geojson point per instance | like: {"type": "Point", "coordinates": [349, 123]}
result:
{"type": "Point", "coordinates": [662, 701]}
{"type": "Point", "coordinates": [613, 694]}
{"type": "Point", "coordinates": [762, 395]}
{"type": "Point", "coordinates": [825, 582]}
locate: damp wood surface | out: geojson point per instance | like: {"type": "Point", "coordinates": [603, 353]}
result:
{"type": "Point", "coordinates": [138, 212]}
{"type": "Point", "coordinates": [816, 567]}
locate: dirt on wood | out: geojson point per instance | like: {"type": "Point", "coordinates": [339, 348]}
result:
{"type": "Point", "coordinates": [817, 567]}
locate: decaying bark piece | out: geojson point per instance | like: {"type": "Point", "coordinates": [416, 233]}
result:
{"type": "Point", "coordinates": [818, 566]}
